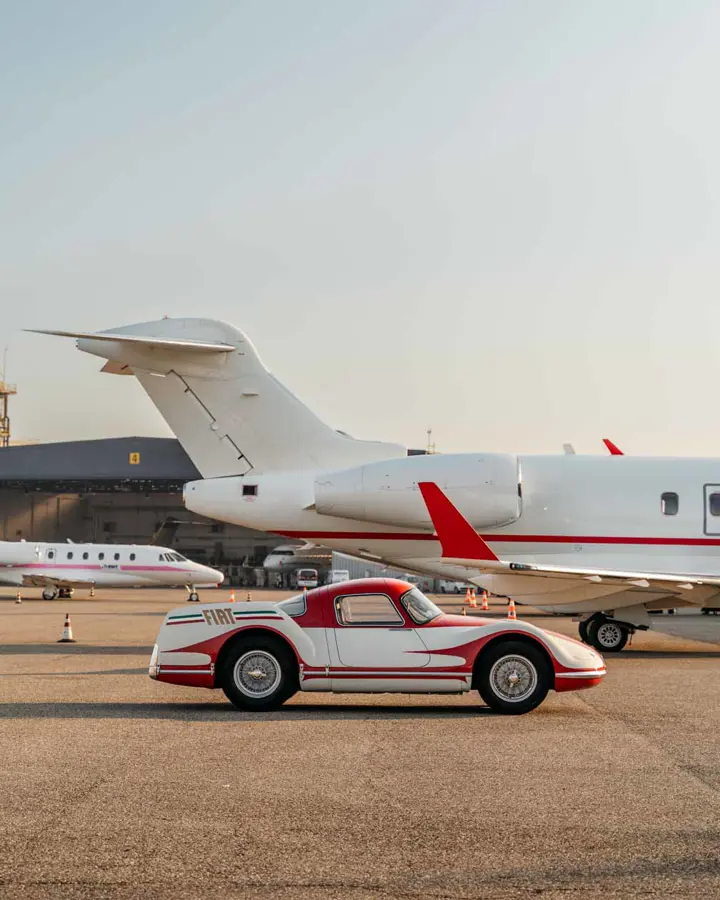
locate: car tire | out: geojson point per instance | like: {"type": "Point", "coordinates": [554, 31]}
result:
{"type": "Point", "coordinates": [258, 673]}
{"type": "Point", "coordinates": [607, 636]}
{"type": "Point", "coordinates": [500, 664]}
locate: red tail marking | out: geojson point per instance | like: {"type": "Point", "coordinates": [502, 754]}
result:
{"type": "Point", "coordinates": [613, 448]}
{"type": "Point", "coordinates": [458, 538]}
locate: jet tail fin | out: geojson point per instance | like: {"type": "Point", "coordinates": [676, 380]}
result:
{"type": "Point", "coordinates": [231, 415]}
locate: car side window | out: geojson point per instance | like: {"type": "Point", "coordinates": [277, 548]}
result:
{"type": "Point", "coordinates": [367, 609]}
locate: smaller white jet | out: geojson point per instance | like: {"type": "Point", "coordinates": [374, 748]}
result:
{"type": "Point", "coordinates": [58, 568]}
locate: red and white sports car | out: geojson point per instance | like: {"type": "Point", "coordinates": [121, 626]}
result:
{"type": "Point", "coordinates": [376, 635]}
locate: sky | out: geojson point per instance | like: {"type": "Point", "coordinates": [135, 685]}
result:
{"type": "Point", "coordinates": [496, 218]}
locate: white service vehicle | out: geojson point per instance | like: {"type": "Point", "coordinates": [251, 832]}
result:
{"type": "Point", "coordinates": [337, 576]}
{"type": "Point", "coordinates": [59, 568]}
{"type": "Point", "coordinates": [452, 587]}
{"type": "Point", "coordinates": [307, 578]}
{"type": "Point", "coordinates": [609, 538]}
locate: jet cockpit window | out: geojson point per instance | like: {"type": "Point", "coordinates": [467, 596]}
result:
{"type": "Point", "coordinates": [295, 606]}
{"type": "Point", "coordinates": [419, 607]}
{"type": "Point", "coordinates": [178, 558]}
{"type": "Point", "coordinates": [669, 503]}
{"type": "Point", "coordinates": [714, 504]}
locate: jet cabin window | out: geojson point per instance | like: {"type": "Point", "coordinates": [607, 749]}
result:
{"type": "Point", "coordinates": [250, 490]}
{"type": "Point", "coordinates": [70, 556]}
{"type": "Point", "coordinates": [367, 609]}
{"type": "Point", "coordinates": [714, 504]}
{"type": "Point", "coordinates": [669, 503]}
{"type": "Point", "coordinates": [51, 554]}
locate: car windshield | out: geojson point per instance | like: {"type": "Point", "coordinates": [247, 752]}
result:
{"type": "Point", "coordinates": [420, 609]}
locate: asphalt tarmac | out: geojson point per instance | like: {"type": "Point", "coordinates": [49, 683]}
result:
{"type": "Point", "coordinates": [116, 786]}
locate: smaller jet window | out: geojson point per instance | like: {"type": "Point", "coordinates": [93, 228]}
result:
{"type": "Point", "coordinates": [714, 503]}
{"type": "Point", "coordinates": [70, 555]}
{"type": "Point", "coordinates": [669, 503]}
{"type": "Point", "coordinates": [250, 490]}
{"type": "Point", "coordinates": [117, 556]}
{"type": "Point", "coordinates": [101, 556]}
{"type": "Point", "coordinates": [85, 555]}
{"type": "Point", "coordinates": [132, 557]}
{"type": "Point", "coordinates": [51, 554]}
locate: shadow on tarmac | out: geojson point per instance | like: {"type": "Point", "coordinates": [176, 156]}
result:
{"type": "Point", "coordinates": [224, 712]}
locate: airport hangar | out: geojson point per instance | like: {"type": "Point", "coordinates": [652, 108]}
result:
{"type": "Point", "coordinates": [118, 491]}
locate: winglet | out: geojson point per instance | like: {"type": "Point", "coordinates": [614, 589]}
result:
{"type": "Point", "coordinates": [613, 448]}
{"type": "Point", "coordinates": [458, 538]}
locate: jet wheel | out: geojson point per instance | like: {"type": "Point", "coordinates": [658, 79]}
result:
{"type": "Point", "coordinates": [193, 597]}
{"type": "Point", "coordinates": [606, 635]}
{"type": "Point", "coordinates": [49, 593]}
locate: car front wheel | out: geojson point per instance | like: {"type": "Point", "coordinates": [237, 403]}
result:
{"type": "Point", "coordinates": [258, 673]}
{"type": "Point", "coordinates": [513, 677]}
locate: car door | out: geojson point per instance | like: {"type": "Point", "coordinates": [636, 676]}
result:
{"type": "Point", "coordinates": [372, 634]}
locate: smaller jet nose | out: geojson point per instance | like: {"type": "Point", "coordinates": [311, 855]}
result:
{"type": "Point", "coordinates": [214, 576]}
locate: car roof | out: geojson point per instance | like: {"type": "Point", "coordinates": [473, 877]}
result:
{"type": "Point", "coordinates": [392, 586]}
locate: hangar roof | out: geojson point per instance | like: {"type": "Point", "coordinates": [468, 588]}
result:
{"type": "Point", "coordinates": [111, 464]}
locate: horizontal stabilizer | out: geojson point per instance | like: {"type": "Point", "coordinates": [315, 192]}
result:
{"type": "Point", "coordinates": [164, 343]}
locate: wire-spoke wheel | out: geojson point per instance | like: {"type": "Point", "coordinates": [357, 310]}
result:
{"type": "Point", "coordinates": [513, 677]}
{"type": "Point", "coordinates": [258, 672]}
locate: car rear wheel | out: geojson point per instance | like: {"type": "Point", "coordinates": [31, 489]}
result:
{"type": "Point", "coordinates": [513, 677]}
{"type": "Point", "coordinates": [258, 673]}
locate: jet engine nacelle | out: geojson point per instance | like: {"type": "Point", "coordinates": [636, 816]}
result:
{"type": "Point", "coordinates": [17, 553]}
{"type": "Point", "coordinates": [486, 489]}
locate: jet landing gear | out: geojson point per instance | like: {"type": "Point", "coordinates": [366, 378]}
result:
{"type": "Point", "coordinates": [193, 596]}
{"type": "Point", "coordinates": [605, 633]}
{"type": "Point", "coordinates": [51, 593]}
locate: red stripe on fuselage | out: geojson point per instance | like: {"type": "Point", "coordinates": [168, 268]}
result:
{"type": "Point", "coordinates": [506, 538]}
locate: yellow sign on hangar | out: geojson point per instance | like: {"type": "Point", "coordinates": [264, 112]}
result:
{"type": "Point", "coordinates": [134, 459]}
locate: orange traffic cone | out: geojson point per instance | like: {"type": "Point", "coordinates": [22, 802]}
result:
{"type": "Point", "coordinates": [67, 637]}
{"type": "Point", "coordinates": [18, 598]}
{"type": "Point", "coordinates": [473, 599]}
{"type": "Point", "coordinates": [249, 597]}
{"type": "Point", "coordinates": [464, 611]}
{"type": "Point", "coordinates": [511, 610]}
{"type": "Point", "coordinates": [232, 595]}
{"type": "Point", "coordinates": [467, 595]}
{"type": "Point", "coordinates": [484, 605]}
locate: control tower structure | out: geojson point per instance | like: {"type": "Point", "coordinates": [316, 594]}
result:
{"type": "Point", "coordinates": [6, 391]}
